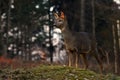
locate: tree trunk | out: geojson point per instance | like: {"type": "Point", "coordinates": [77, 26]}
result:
{"type": "Point", "coordinates": [93, 18]}
{"type": "Point", "coordinates": [115, 48]}
{"type": "Point", "coordinates": [118, 30]}
{"type": "Point", "coordinates": [0, 31]}
{"type": "Point", "coordinates": [8, 25]}
{"type": "Point", "coordinates": [118, 40]}
{"type": "Point", "coordinates": [82, 22]}
{"type": "Point", "coordinates": [107, 57]}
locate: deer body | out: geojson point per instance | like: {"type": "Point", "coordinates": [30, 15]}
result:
{"type": "Point", "coordinates": [77, 43]}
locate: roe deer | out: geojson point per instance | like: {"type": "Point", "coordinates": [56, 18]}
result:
{"type": "Point", "coordinates": [77, 43]}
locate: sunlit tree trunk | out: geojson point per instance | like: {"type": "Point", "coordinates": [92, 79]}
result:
{"type": "Point", "coordinates": [118, 30]}
{"type": "Point", "coordinates": [118, 41]}
{"type": "Point", "coordinates": [115, 47]}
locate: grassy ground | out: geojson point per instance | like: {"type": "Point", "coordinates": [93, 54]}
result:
{"type": "Point", "coordinates": [46, 72]}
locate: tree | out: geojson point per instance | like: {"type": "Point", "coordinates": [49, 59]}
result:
{"type": "Point", "coordinates": [82, 15]}
{"type": "Point", "coordinates": [93, 16]}
{"type": "Point", "coordinates": [3, 11]}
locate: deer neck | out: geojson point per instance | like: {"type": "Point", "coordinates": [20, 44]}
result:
{"type": "Point", "coordinates": [66, 31]}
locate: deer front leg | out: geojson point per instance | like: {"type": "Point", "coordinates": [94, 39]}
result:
{"type": "Point", "coordinates": [84, 58]}
{"type": "Point", "coordinates": [69, 62]}
{"type": "Point", "coordinates": [69, 58]}
{"type": "Point", "coordinates": [76, 60]}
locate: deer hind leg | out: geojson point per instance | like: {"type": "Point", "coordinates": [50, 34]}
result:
{"type": "Point", "coordinates": [98, 60]}
{"type": "Point", "coordinates": [84, 58]}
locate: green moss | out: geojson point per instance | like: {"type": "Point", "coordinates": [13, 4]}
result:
{"type": "Point", "coordinates": [54, 73]}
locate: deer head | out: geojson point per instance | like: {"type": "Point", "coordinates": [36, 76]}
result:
{"type": "Point", "coordinates": [60, 20]}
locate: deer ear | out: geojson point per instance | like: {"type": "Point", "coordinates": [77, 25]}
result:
{"type": "Point", "coordinates": [62, 15]}
{"type": "Point", "coordinates": [56, 15]}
